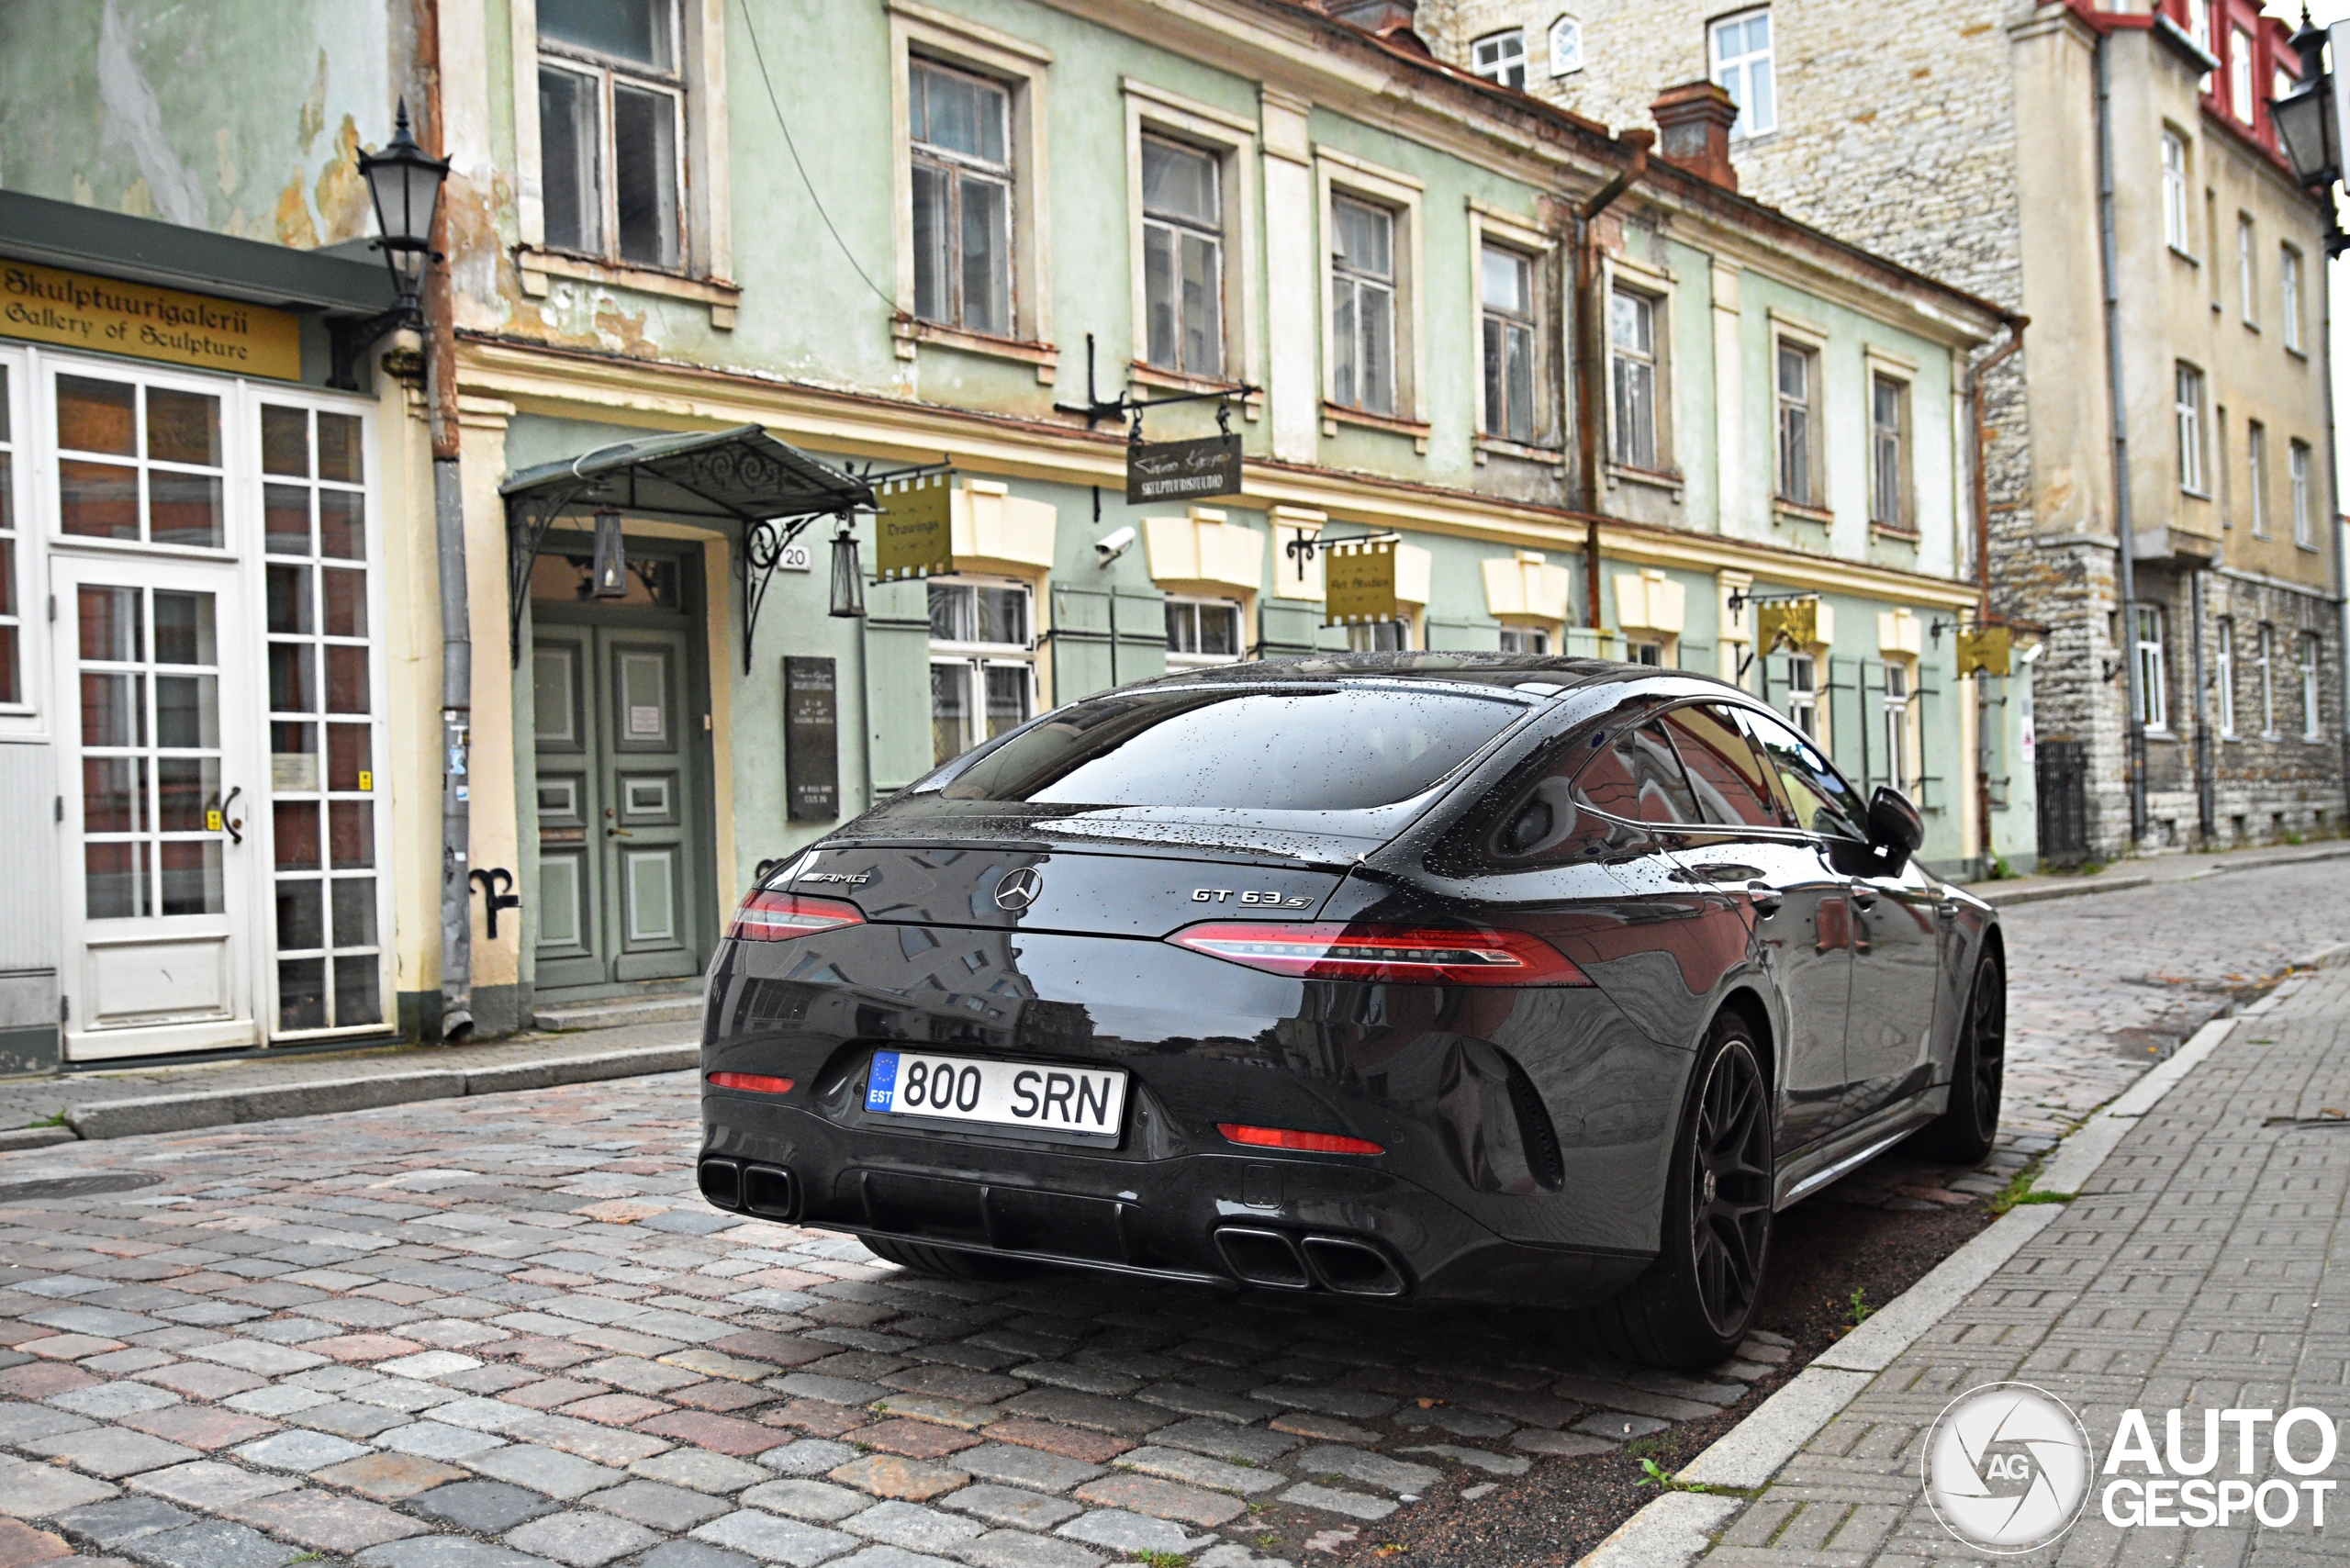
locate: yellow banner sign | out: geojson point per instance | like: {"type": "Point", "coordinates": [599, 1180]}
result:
{"type": "Point", "coordinates": [1984, 648]}
{"type": "Point", "coordinates": [111, 316]}
{"type": "Point", "coordinates": [1796, 620]}
{"type": "Point", "coordinates": [916, 535]}
{"type": "Point", "coordinates": [1358, 582]}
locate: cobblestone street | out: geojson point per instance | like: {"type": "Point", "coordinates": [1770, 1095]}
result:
{"type": "Point", "coordinates": [502, 1330]}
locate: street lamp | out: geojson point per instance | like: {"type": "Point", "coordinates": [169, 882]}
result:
{"type": "Point", "coordinates": [848, 576]}
{"type": "Point", "coordinates": [405, 186]}
{"type": "Point", "coordinates": [2304, 117]}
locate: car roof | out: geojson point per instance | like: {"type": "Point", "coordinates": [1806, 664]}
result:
{"type": "Point", "coordinates": [1455, 666]}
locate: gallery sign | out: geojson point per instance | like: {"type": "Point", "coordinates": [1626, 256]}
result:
{"type": "Point", "coordinates": [109, 315]}
{"type": "Point", "coordinates": [1182, 470]}
{"type": "Point", "coordinates": [1358, 581]}
{"type": "Point", "coordinates": [914, 532]}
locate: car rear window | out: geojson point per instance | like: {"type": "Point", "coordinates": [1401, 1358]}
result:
{"type": "Point", "coordinates": [1328, 749]}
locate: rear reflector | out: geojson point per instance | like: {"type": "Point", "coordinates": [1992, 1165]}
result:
{"type": "Point", "coordinates": [1395, 954]}
{"type": "Point", "coordinates": [1304, 1143]}
{"type": "Point", "coordinates": [756, 1082]}
{"type": "Point", "coordinates": [780, 917]}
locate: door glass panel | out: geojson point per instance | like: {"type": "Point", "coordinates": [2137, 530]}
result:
{"type": "Point", "coordinates": [350, 757]}
{"type": "Point", "coordinates": [301, 913]}
{"type": "Point", "coordinates": [302, 993]}
{"type": "Point", "coordinates": [285, 441]}
{"type": "Point", "coordinates": [97, 415]}
{"type": "Point", "coordinates": [652, 915]}
{"type": "Point", "coordinates": [98, 500]}
{"type": "Point", "coordinates": [643, 698]}
{"type": "Point", "coordinates": [158, 853]}
{"type": "Point", "coordinates": [351, 837]}
{"type": "Point", "coordinates": [171, 439]}
{"type": "Point", "coordinates": [294, 825]}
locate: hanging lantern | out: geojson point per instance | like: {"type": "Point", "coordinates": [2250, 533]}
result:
{"type": "Point", "coordinates": [611, 556]}
{"type": "Point", "coordinates": [848, 575]}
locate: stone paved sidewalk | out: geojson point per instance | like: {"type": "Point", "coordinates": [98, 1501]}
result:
{"type": "Point", "coordinates": [503, 1332]}
{"type": "Point", "coordinates": [2204, 1267]}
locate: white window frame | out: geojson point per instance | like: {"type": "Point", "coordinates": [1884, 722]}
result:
{"type": "Point", "coordinates": [2248, 270]}
{"type": "Point", "coordinates": [1532, 640]}
{"type": "Point", "coordinates": [2239, 96]}
{"type": "Point", "coordinates": [1903, 478]}
{"type": "Point", "coordinates": [2189, 397]}
{"type": "Point", "coordinates": [960, 169]}
{"type": "Point", "coordinates": [1491, 228]}
{"type": "Point", "coordinates": [1179, 659]}
{"type": "Point", "coordinates": [2289, 297]}
{"type": "Point", "coordinates": [1897, 704]}
{"type": "Point", "coordinates": [1232, 142]}
{"type": "Point", "coordinates": [1498, 55]}
{"type": "Point", "coordinates": [2146, 647]}
{"type": "Point", "coordinates": [2224, 674]}
{"type": "Point", "coordinates": [1338, 174]}
{"type": "Point", "coordinates": [976, 658]}
{"type": "Point", "coordinates": [609, 74]}
{"type": "Point", "coordinates": [2297, 460]}
{"type": "Point", "coordinates": [1622, 275]}
{"type": "Point", "coordinates": [706, 245]}
{"type": "Point", "coordinates": [2266, 657]}
{"type": "Point", "coordinates": [25, 719]}
{"type": "Point", "coordinates": [2175, 175]}
{"type": "Point", "coordinates": [2312, 711]}
{"type": "Point", "coordinates": [1364, 637]}
{"type": "Point", "coordinates": [1812, 347]}
{"type": "Point", "coordinates": [1022, 68]}
{"type": "Point", "coordinates": [2255, 461]}
{"type": "Point", "coordinates": [1803, 697]}
{"type": "Point", "coordinates": [1566, 46]}
{"type": "Point", "coordinates": [1747, 126]}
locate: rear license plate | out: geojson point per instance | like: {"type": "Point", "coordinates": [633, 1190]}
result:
{"type": "Point", "coordinates": [1030, 1096]}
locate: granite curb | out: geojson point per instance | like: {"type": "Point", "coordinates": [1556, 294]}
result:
{"type": "Point", "coordinates": [263, 1102]}
{"type": "Point", "coordinates": [2084, 887]}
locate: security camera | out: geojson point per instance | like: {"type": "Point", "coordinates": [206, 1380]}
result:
{"type": "Point", "coordinates": [1110, 546]}
{"type": "Point", "coordinates": [2031, 655]}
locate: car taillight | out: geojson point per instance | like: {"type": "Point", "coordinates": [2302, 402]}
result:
{"type": "Point", "coordinates": [780, 917]}
{"type": "Point", "coordinates": [1289, 1137]}
{"type": "Point", "coordinates": [756, 1082]}
{"type": "Point", "coordinates": [1392, 954]}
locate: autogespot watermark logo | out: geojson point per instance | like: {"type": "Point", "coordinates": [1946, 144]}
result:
{"type": "Point", "coordinates": [2008, 1467]}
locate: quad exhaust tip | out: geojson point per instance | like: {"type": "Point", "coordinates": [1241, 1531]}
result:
{"type": "Point", "coordinates": [1274, 1260]}
{"type": "Point", "coordinates": [769, 1192]}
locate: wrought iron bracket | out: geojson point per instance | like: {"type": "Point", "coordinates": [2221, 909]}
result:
{"type": "Point", "coordinates": [526, 531]}
{"type": "Point", "coordinates": [763, 546]}
{"type": "Point", "coordinates": [1127, 406]}
{"type": "Point", "coordinates": [350, 340]}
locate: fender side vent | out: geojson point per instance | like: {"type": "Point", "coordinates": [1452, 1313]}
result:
{"type": "Point", "coordinates": [1535, 1132]}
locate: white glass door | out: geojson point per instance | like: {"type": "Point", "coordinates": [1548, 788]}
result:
{"type": "Point", "coordinates": [158, 815]}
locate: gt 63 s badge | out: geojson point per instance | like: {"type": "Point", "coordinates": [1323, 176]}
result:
{"type": "Point", "coordinates": [1256, 900]}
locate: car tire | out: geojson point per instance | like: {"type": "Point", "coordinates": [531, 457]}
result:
{"type": "Point", "coordinates": [945, 1262]}
{"type": "Point", "coordinates": [1967, 1128]}
{"type": "Point", "coordinates": [1691, 1305]}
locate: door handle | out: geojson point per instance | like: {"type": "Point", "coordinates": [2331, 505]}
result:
{"type": "Point", "coordinates": [233, 823]}
{"type": "Point", "coordinates": [1767, 898]}
{"type": "Point", "coordinates": [1947, 910]}
{"type": "Point", "coordinates": [615, 831]}
{"type": "Point", "coordinates": [1863, 896]}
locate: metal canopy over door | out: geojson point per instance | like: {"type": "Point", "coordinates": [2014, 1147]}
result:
{"type": "Point", "coordinates": [161, 733]}
{"type": "Point", "coordinates": [624, 858]}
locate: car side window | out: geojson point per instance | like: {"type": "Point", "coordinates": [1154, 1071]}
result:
{"type": "Point", "coordinates": [1823, 803]}
{"type": "Point", "coordinates": [1631, 775]}
{"type": "Point", "coordinates": [1638, 777]}
{"type": "Point", "coordinates": [1725, 773]}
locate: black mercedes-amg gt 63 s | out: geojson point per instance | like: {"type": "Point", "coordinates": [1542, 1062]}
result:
{"type": "Point", "coordinates": [1450, 976]}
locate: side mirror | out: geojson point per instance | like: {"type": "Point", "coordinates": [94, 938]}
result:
{"type": "Point", "coordinates": [1894, 823]}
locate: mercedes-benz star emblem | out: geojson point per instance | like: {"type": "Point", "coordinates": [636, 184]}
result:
{"type": "Point", "coordinates": [1018, 889]}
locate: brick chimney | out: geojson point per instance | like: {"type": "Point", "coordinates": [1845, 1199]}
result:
{"type": "Point", "coordinates": [1693, 123]}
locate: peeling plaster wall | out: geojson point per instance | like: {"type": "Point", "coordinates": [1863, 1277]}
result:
{"type": "Point", "coordinates": [244, 119]}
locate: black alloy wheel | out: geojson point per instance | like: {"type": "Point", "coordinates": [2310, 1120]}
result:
{"type": "Point", "coordinates": [1966, 1131]}
{"type": "Point", "coordinates": [1691, 1308]}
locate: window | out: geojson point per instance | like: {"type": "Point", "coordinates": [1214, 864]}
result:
{"type": "Point", "coordinates": [1566, 47]}
{"type": "Point", "coordinates": [1203, 631]}
{"type": "Point", "coordinates": [2152, 709]}
{"type": "Point", "coordinates": [2289, 295]}
{"type": "Point", "coordinates": [1803, 693]}
{"type": "Point", "coordinates": [2312, 722]}
{"type": "Point", "coordinates": [145, 852]}
{"type": "Point", "coordinates": [1724, 770]}
{"type": "Point", "coordinates": [2199, 27]}
{"type": "Point", "coordinates": [2175, 191]}
{"type": "Point", "coordinates": [960, 126]}
{"type": "Point", "coordinates": [1362, 306]}
{"type": "Point", "coordinates": [1798, 376]}
{"type": "Point", "coordinates": [138, 462]}
{"type": "Point", "coordinates": [1896, 713]}
{"type": "Point", "coordinates": [321, 724]}
{"type": "Point", "coordinates": [2247, 271]}
{"type": "Point", "coordinates": [982, 663]}
{"type": "Point", "coordinates": [1741, 47]}
{"type": "Point", "coordinates": [1506, 284]}
{"type": "Point", "coordinates": [1500, 58]}
{"type": "Point", "coordinates": [2189, 409]}
{"type": "Point", "coordinates": [2239, 100]}
{"type": "Point", "coordinates": [1638, 777]}
{"type": "Point", "coordinates": [2256, 444]}
{"type": "Point", "coordinates": [2264, 652]}
{"type": "Point", "coordinates": [1889, 452]}
{"type": "Point", "coordinates": [1632, 361]}
{"type": "Point", "coordinates": [14, 684]}
{"type": "Point", "coordinates": [1379, 637]}
{"type": "Point", "coordinates": [1525, 640]}
{"type": "Point", "coordinates": [2224, 671]}
{"type": "Point", "coordinates": [1182, 240]}
{"type": "Point", "coordinates": [1823, 803]}
{"type": "Point", "coordinates": [2298, 463]}
{"type": "Point", "coordinates": [612, 121]}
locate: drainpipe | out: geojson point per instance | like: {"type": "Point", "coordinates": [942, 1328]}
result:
{"type": "Point", "coordinates": [2206, 785]}
{"type": "Point", "coordinates": [1593, 362]}
{"type": "Point", "coordinates": [449, 540]}
{"type": "Point", "coordinates": [1973, 392]}
{"type": "Point", "coordinates": [2334, 495]}
{"type": "Point", "coordinates": [2108, 266]}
